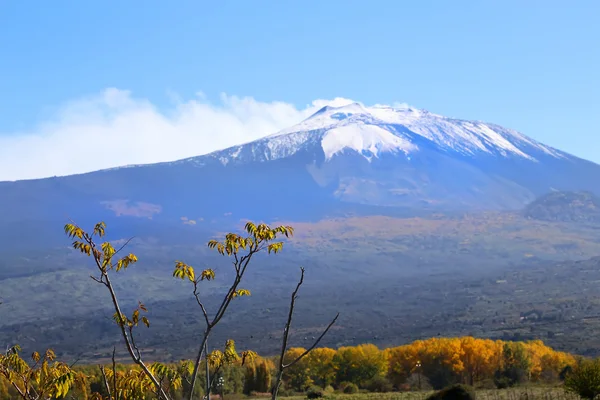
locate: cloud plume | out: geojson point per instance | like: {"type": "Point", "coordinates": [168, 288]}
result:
{"type": "Point", "coordinates": [114, 128]}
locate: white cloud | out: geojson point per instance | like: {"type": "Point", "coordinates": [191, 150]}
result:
{"type": "Point", "coordinates": [114, 129]}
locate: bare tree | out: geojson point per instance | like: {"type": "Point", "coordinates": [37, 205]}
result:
{"type": "Point", "coordinates": [282, 366]}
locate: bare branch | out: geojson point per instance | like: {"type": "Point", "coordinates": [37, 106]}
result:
{"type": "Point", "coordinates": [284, 342]}
{"type": "Point", "coordinates": [137, 350]}
{"type": "Point", "coordinates": [315, 344]}
{"type": "Point", "coordinates": [106, 385]}
{"type": "Point", "coordinates": [19, 391]}
{"type": "Point", "coordinates": [288, 324]}
{"type": "Point", "coordinates": [114, 367]}
{"type": "Point", "coordinates": [240, 269]}
{"type": "Point", "coordinates": [197, 296]}
{"type": "Point", "coordinates": [124, 245]}
{"type": "Point", "coordinates": [76, 361]}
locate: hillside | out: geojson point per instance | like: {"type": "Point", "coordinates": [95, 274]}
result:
{"type": "Point", "coordinates": [411, 277]}
{"type": "Point", "coordinates": [411, 209]}
{"type": "Point", "coordinates": [351, 159]}
{"type": "Point", "coordinates": [580, 207]}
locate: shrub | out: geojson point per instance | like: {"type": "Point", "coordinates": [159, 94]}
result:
{"type": "Point", "coordinates": [418, 382]}
{"type": "Point", "coordinates": [584, 379]}
{"type": "Point", "coordinates": [314, 392]}
{"type": "Point", "coordinates": [454, 392]}
{"type": "Point", "coordinates": [565, 372]}
{"type": "Point", "coordinates": [379, 384]}
{"type": "Point", "coordinates": [509, 377]}
{"type": "Point", "coordinates": [348, 388]}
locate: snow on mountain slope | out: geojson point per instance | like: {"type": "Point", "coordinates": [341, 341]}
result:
{"type": "Point", "coordinates": [372, 131]}
{"type": "Point", "coordinates": [361, 138]}
{"type": "Point", "coordinates": [337, 159]}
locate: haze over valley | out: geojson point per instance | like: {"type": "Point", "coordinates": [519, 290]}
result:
{"type": "Point", "coordinates": [420, 215]}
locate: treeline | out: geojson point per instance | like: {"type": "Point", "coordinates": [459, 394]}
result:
{"type": "Point", "coordinates": [421, 365]}
{"type": "Point", "coordinates": [433, 363]}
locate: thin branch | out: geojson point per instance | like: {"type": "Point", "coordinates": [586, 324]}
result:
{"type": "Point", "coordinates": [137, 350]}
{"type": "Point", "coordinates": [284, 343]}
{"type": "Point", "coordinates": [214, 375]}
{"type": "Point", "coordinates": [75, 362]}
{"type": "Point", "coordinates": [23, 395]}
{"type": "Point", "coordinates": [106, 385]}
{"type": "Point", "coordinates": [315, 344]}
{"type": "Point", "coordinates": [114, 366]}
{"type": "Point", "coordinates": [131, 349]}
{"type": "Point", "coordinates": [124, 245]}
{"type": "Point", "coordinates": [197, 296]}
{"type": "Point", "coordinates": [288, 323]}
{"type": "Point", "coordinates": [220, 312]}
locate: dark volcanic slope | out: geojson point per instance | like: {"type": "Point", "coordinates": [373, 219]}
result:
{"type": "Point", "coordinates": [565, 207]}
{"type": "Point", "coordinates": [340, 160]}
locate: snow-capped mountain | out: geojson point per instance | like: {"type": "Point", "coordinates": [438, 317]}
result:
{"type": "Point", "coordinates": [371, 131]}
{"type": "Point", "coordinates": [337, 159]}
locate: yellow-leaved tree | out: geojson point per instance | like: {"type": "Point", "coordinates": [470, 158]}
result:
{"type": "Point", "coordinates": [157, 378]}
{"type": "Point", "coordinates": [241, 248]}
{"type": "Point", "coordinates": [360, 364]}
{"type": "Point", "coordinates": [45, 379]}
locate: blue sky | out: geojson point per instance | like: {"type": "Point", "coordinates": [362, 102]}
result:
{"type": "Point", "coordinates": [529, 65]}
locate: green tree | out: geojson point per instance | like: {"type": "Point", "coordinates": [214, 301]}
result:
{"type": "Point", "coordinates": [584, 379]}
{"type": "Point", "coordinates": [360, 364]}
{"type": "Point", "coordinates": [516, 364]}
{"type": "Point", "coordinates": [250, 379]}
{"type": "Point", "coordinates": [263, 377]}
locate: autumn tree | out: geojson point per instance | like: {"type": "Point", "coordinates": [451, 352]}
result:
{"type": "Point", "coordinates": [241, 249]}
{"type": "Point", "coordinates": [477, 358]}
{"type": "Point", "coordinates": [359, 364]}
{"type": "Point", "coordinates": [320, 366]}
{"type": "Point", "coordinates": [108, 261]}
{"type": "Point", "coordinates": [297, 376]}
{"type": "Point", "coordinates": [45, 379]}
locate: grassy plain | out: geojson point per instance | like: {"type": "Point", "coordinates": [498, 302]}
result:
{"type": "Point", "coordinates": [534, 393]}
{"type": "Point", "coordinates": [393, 280]}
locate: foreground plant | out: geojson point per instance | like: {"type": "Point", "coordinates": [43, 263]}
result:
{"type": "Point", "coordinates": [45, 379]}
{"type": "Point", "coordinates": [282, 365]}
{"type": "Point", "coordinates": [242, 249]}
{"type": "Point", "coordinates": [584, 379]}
{"type": "Point", "coordinates": [156, 378]}
{"type": "Point", "coordinates": [106, 260]}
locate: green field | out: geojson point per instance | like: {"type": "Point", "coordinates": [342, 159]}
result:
{"type": "Point", "coordinates": [508, 394]}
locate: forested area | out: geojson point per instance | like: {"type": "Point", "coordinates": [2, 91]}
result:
{"type": "Point", "coordinates": [421, 365]}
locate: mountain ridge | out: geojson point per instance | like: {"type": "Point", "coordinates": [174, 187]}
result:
{"type": "Point", "coordinates": [340, 158]}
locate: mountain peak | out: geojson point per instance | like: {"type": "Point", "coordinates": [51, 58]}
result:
{"type": "Point", "coordinates": [381, 128]}
{"type": "Point", "coordinates": [349, 156]}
